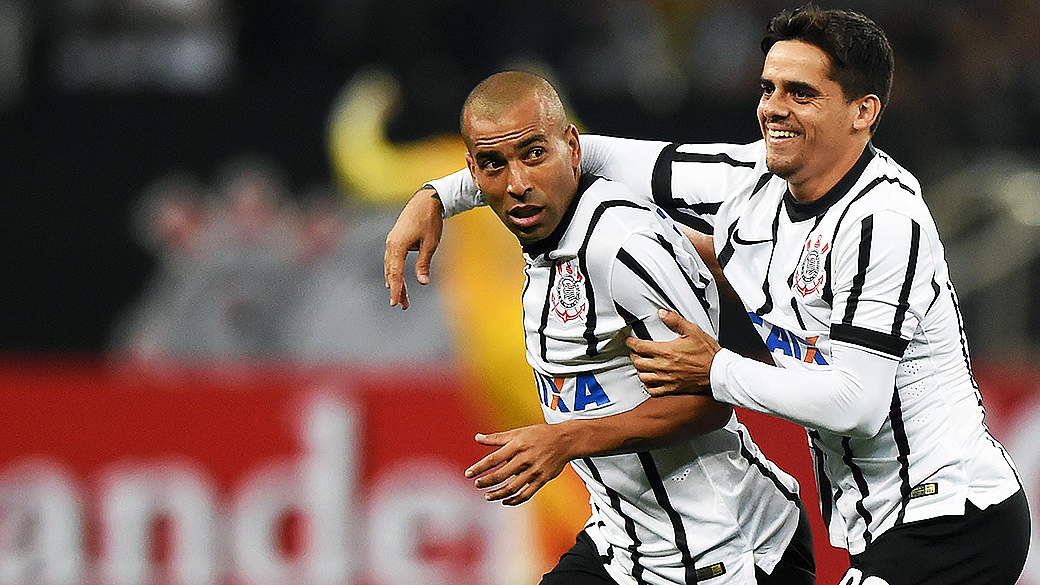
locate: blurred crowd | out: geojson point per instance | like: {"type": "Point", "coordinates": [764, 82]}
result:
{"type": "Point", "coordinates": [247, 269]}
{"type": "Point", "coordinates": [248, 265]}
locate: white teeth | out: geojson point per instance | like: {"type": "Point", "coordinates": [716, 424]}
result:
{"type": "Point", "coordinates": [782, 134]}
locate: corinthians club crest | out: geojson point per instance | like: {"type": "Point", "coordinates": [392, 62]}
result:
{"type": "Point", "coordinates": [809, 275]}
{"type": "Point", "coordinates": [567, 296]}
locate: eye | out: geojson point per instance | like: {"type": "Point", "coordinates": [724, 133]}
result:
{"type": "Point", "coordinates": [767, 88]}
{"type": "Point", "coordinates": [535, 153]}
{"type": "Point", "coordinates": [490, 164]}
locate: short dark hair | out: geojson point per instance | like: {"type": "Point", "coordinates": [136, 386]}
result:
{"type": "Point", "coordinates": [861, 56]}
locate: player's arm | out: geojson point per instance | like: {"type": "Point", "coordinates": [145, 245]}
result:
{"type": "Point", "coordinates": [878, 283]}
{"type": "Point", "coordinates": [418, 228]}
{"type": "Point", "coordinates": [527, 458]}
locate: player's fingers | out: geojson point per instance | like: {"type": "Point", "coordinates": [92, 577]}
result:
{"type": "Point", "coordinates": [640, 347]}
{"type": "Point", "coordinates": [527, 492]}
{"type": "Point", "coordinates": [494, 439]}
{"type": "Point", "coordinates": [498, 476]}
{"type": "Point", "coordinates": [393, 271]}
{"type": "Point", "coordinates": [427, 247]}
{"type": "Point", "coordinates": [507, 490]}
{"type": "Point", "coordinates": [489, 462]}
{"type": "Point", "coordinates": [674, 321]}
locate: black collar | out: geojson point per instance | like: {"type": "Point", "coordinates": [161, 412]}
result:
{"type": "Point", "coordinates": [550, 242]}
{"type": "Point", "coordinates": [797, 211]}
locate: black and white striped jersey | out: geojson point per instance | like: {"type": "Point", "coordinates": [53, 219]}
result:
{"type": "Point", "coordinates": [852, 296]}
{"type": "Point", "coordinates": [711, 507]}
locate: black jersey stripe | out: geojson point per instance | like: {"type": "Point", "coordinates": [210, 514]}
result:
{"type": "Point", "coordinates": [797, 313]}
{"type": "Point", "coordinates": [911, 269]}
{"type": "Point", "coordinates": [661, 189]}
{"type": "Point", "coordinates": [721, 157]}
{"type": "Point", "coordinates": [630, 525]}
{"type": "Point", "coordinates": [895, 414]}
{"type": "Point", "coordinates": [861, 484]}
{"type": "Point", "coordinates": [661, 495]}
{"type": "Point", "coordinates": [766, 471]}
{"type": "Point", "coordinates": [544, 322]}
{"type": "Point", "coordinates": [827, 292]}
{"type": "Point", "coordinates": [727, 247]}
{"type": "Point", "coordinates": [963, 339]}
{"type": "Point", "coordinates": [632, 264]}
{"type": "Point", "coordinates": [583, 265]}
{"type": "Point", "coordinates": [638, 327]}
{"type": "Point", "coordinates": [866, 234]}
{"type": "Point", "coordinates": [698, 291]}
{"type": "Point", "coordinates": [823, 484]}
{"type": "Point", "coordinates": [767, 305]}
{"type": "Point", "coordinates": [892, 345]}
{"type": "Point", "coordinates": [936, 290]}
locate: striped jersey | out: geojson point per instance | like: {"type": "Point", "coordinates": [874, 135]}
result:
{"type": "Point", "coordinates": [706, 509]}
{"type": "Point", "coordinates": [852, 296]}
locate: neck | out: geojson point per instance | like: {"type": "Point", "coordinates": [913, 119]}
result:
{"type": "Point", "coordinates": [810, 189]}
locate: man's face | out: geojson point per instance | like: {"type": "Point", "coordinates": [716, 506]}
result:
{"type": "Point", "coordinates": [526, 166]}
{"type": "Point", "coordinates": [806, 121]}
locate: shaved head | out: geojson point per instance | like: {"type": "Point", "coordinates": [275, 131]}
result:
{"type": "Point", "coordinates": [501, 92]}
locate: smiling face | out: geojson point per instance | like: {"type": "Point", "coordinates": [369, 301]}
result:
{"type": "Point", "coordinates": [813, 134]}
{"type": "Point", "coordinates": [525, 160]}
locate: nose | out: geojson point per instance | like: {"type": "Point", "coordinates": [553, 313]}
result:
{"type": "Point", "coordinates": [772, 106]}
{"type": "Point", "coordinates": [519, 181]}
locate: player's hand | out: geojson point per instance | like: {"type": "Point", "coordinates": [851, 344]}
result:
{"type": "Point", "coordinates": [418, 228]}
{"type": "Point", "coordinates": [526, 459]}
{"type": "Point", "coordinates": [679, 366]}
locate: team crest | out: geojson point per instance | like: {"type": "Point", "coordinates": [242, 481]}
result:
{"type": "Point", "coordinates": [809, 276]}
{"type": "Point", "coordinates": [568, 293]}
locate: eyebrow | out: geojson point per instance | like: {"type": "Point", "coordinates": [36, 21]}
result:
{"type": "Point", "coordinates": [531, 140]}
{"type": "Point", "coordinates": [793, 86]}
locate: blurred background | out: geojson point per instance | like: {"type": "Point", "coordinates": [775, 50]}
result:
{"type": "Point", "coordinates": [196, 195]}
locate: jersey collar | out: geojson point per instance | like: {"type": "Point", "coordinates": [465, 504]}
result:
{"type": "Point", "coordinates": [552, 241]}
{"type": "Point", "coordinates": [802, 211]}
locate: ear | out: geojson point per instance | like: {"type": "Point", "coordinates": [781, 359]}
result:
{"type": "Point", "coordinates": [574, 145]}
{"type": "Point", "coordinates": [472, 166]}
{"type": "Point", "coordinates": [868, 108]}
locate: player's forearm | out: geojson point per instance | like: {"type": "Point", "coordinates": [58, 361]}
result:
{"type": "Point", "coordinates": [655, 423]}
{"type": "Point", "coordinates": [850, 398]}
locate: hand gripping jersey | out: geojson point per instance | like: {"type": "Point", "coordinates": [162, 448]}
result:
{"type": "Point", "coordinates": [852, 296]}
{"type": "Point", "coordinates": [708, 508]}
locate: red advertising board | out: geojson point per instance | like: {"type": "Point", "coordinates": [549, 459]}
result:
{"type": "Point", "coordinates": [260, 474]}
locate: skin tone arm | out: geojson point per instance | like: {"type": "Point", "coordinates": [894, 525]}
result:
{"type": "Point", "coordinates": [418, 228]}
{"type": "Point", "coordinates": [527, 458]}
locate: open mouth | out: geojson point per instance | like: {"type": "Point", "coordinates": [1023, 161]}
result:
{"type": "Point", "coordinates": [780, 134]}
{"type": "Point", "coordinates": [525, 215]}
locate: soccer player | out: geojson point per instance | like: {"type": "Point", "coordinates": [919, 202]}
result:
{"type": "Point", "coordinates": [679, 492]}
{"type": "Point", "coordinates": [830, 247]}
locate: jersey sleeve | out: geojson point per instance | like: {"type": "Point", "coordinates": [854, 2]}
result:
{"type": "Point", "coordinates": [850, 398]}
{"type": "Point", "coordinates": [652, 272]}
{"type": "Point", "coordinates": [881, 283]}
{"type": "Point", "coordinates": [458, 192]}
